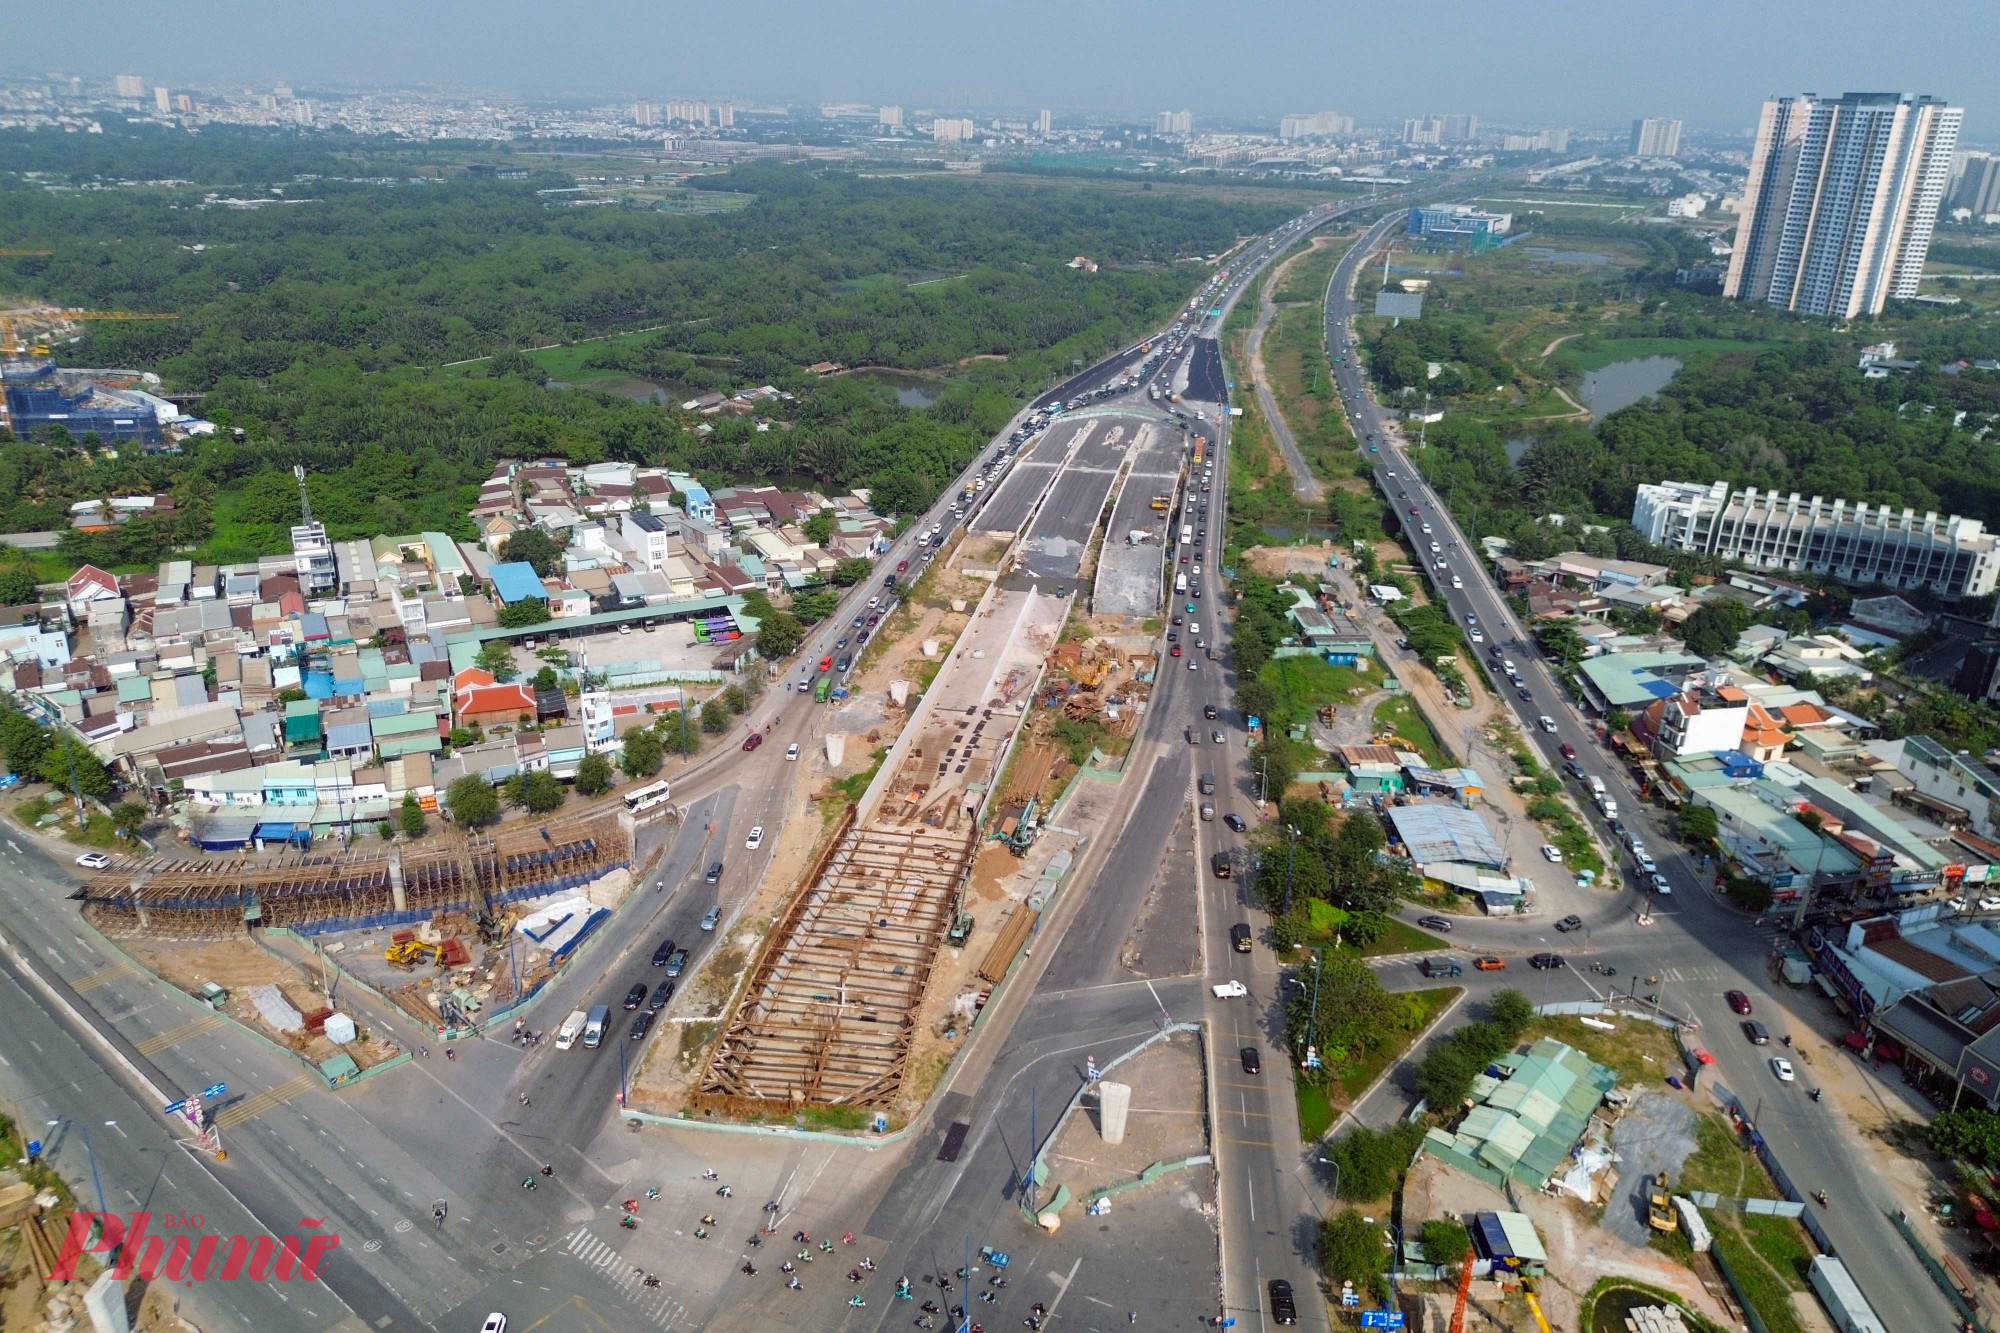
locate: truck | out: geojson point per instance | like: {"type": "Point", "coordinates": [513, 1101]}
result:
{"type": "Point", "coordinates": [571, 1029]}
{"type": "Point", "coordinates": [1596, 785]}
{"type": "Point", "coordinates": [593, 1025]}
{"type": "Point", "coordinates": [1608, 806]}
{"type": "Point", "coordinates": [1441, 967]}
{"type": "Point", "coordinates": [822, 689]}
{"type": "Point", "coordinates": [1187, 534]}
{"type": "Point", "coordinates": [1844, 1301]}
{"type": "Point", "coordinates": [1180, 583]}
{"type": "Point", "coordinates": [1161, 503]}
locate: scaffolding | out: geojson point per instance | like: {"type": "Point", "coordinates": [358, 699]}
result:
{"type": "Point", "coordinates": [178, 898]}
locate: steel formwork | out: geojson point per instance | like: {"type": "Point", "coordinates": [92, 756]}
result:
{"type": "Point", "coordinates": [319, 892]}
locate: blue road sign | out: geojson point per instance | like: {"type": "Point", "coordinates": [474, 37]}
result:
{"type": "Point", "coordinates": [172, 1108]}
{"type": "Point", "coordinates": [213, 1091]}
{"type": "Point", "coordinates": [1347, 1297]}
{"type": "Point", "coordinates": [1381, 1319]}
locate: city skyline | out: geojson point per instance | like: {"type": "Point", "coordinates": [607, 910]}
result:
{"type": "Point", "coordinates": [898, 54]}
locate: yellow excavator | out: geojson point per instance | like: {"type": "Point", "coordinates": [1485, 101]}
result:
{"type": "Point", "coordinates": [406, 956]}
{"type": "Point", "coordinates": [1660, 1206]}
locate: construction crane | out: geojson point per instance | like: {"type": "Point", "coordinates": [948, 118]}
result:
{"type": "Point", "coordinates": [1464, 1290]}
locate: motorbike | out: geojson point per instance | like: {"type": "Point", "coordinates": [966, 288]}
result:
{"type": "Point", "coordinates": [1819, 1197]}
{"type": "Point", "coordinates": [629, 1222]}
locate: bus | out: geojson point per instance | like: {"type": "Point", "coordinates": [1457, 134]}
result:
{"type": "Point", "coordinates": [821, 690]}
{"type": "Point", "coordinates": [1200, 448]}
{"type": "Point", "coordinates": [641, 799]}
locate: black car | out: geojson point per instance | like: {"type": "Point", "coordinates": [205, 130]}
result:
{"type": "Point", "coordinates": [1569, 923]}
{"type": "Point", "coordinates": [1542, 962]}
{"type": "Point", "coordinates": [636, 996]}
{"type": "Point", "coordinates": [1435, 923]}
{"type": "Point", "coordinates": [1525, 694]}
{"type": "Point", "coordinates": [1283, 1311]}
{"type": "Point", "coordinates": [664, 952]}
{"type": "Point", "coordinates": [1235, 822]}
{"type": "Point", "coordinates": [642, 1025]}
{"type": "Point", "coordinates": [1251, 1064]}
{"type": "Point", "coordinates": [675, 965]}
{"type": "Point", "coordinates": [661, 995]}
{"type": "Point", "coordinates": [1208, 711]}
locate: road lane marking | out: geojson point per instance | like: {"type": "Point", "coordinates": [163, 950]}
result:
{"type": "Point", "coordinates": [100, 977]}
{"type": "Point", "coordinates": [173, 1037]}
{"type": "Point", "coordinates": [269, 1099]}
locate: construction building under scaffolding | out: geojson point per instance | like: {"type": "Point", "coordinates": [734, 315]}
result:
{"type": "Point", "coordinates": [215, 898]}
{"type": "Point", "coordinates": [833, 1003]}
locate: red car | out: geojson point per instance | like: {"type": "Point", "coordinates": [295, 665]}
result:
{"type": "Point", "coordinates": [1737, 1001]}
{"type": "Point", "coordinates": [826, 664]}
{"type": "Point", "coordinates": [1568, 750]}
{"type": "Point", "coordinates": [755, 739]}
{"type": "Point", "coordinates": [1175, 651]}
{"type": "Point", "coordinates": [902, 566]}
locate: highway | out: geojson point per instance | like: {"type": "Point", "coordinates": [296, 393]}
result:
{"type": "Point", "coordinates": [1696, 945]}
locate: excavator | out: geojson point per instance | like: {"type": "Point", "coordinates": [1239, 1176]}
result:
{"type": "Point", "coordinates": [1660, 1206]}
{"type": "Point", "coordinates": [406, 956]}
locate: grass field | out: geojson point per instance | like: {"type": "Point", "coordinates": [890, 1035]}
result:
{"type": "Point", "coordinates": [1402, 716]}
{"type": "Point", "coordinates": [1401, 937]}
{"type": "Point", "coordinates": [566, 362]}
{"type": "Point", "coordinates": [1768, 1254]}
{"type": "Point", "coordinates": [1593, 353]}
{"type": "Point", "coordinates": [1320, 1106]}
{"type": "Point", "coordinates": [1305, 683]}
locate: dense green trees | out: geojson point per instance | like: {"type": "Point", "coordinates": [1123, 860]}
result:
{"type": "Point", "coordinates": [472, 801]}
{"type": "Point", "coordinates": [534, 546]}
{"type": "Point", "coordinates": [310, 328]}
{"type": "Point", "coordinates": [1714, 628]}
{"type": "Point", "coordinates": [641, 753]}
{"type": "Point", "coordinates": [593, 775]}
{"type": "Point", "coordinates": [1448, 1068]}
{"type": "Point", "coordinates": [411, 817]}
{"type": "Point", "coordinates": [521, 614]}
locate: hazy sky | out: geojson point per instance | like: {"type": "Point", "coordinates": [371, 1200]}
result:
{"type": "Point", "coordinates": [1527, 61]}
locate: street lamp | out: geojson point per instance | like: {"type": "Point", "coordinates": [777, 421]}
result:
{"type": "Point", "coordinates": [1291, 858]}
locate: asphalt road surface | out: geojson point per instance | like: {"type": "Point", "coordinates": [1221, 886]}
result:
{"type": "Point", "coordinates": [1699, 946]}
{"type": "Point", "coordinates": [1205, 379]}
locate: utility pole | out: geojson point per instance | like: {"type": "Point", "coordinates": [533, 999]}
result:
{"type": "Point", "coordinates": [1291, 859]}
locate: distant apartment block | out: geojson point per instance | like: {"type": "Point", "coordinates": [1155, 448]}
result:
{"type": "Point", "coordinates": [1655, 137]}
{"type": "Point", "coordinates": [1541, 141]}
{"type": "Point", "coordinates": [1855, 543]}
{"type": "Point", "coordinates": [1433, 131]}
{"type": "Point", "coordinates": [130, 86]}
{"type": "Point", "coordinates": [1842, 197]}
{"type": "Point", "coordinates": [1977, 188]}
{"type": "Point", "coordinates": [681, 111]}
{"type": "Point", "coordinates": [891, 116]}
{"type": "Point", "coordinates": [642, 113]}
{"type": "Point", "coordinates": [163, 101]}
{"type": "Point", "coordinates": [1174, 122]}
{"type": "Point", "coordinates": [1045, 121]}
{"type": "Point", "coordinates": [1318, 125]}
{"type": "Point", "coordinates": [945, 130]}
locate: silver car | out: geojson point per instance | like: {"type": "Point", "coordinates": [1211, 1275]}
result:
{"type": "Point", "coordinates": [711, 917]}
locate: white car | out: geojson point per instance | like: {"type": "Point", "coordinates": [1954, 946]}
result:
{"type": "Point", "coordinates": [1194, 627]}
{"type": "Point", "coordinates": [792, 751]}
{"type": "Point", "coordinates": [1661, 886]}
{"type": "Point", "coordinates": [1548, 723]}
{"type": "Point", "coordinates": [1782, 1068]}
{"type": "Point", "coordinates": [1230, 990]}
{"type": "Point", "coordinates": [1989, 904]}
{"type": "Point", "coordinates": [495, 1323]}
{"type": "Point", "coordinates": [1457, 582]}
{"type": "Point", "coordinates": [1552, 852]}
{"type": "Point", "coordinates": [1477, 637]}
{"type": "Point", "coordinates": [756, 838]}
{"type": "Point", "coordinates": [93, 860]}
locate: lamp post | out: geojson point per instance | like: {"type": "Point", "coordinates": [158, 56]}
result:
{"type": "Point", "coordinates": [1312, 1020]}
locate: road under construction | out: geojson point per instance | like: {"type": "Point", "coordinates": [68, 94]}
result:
{"type": "Point", "coordinates": [834, 1001]}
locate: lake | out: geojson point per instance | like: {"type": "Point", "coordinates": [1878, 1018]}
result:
{"type": "Point", "coordinates": [1623, 383]}
{"type": "Point", "coordinates": [911, 390]}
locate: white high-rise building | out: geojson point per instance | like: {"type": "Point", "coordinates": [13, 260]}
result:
{"type": "Point", "coordinates": [642, 112]}
{"type": "Point", "coordinates": [130, 86]}
{"type": "Point", "coordinates": [1855, 543]}
{"type": "Point", "coordinates": [1654, 137]}
{"type": "Point", "coordinates": [302, 112]}
{"type": "Point", "coordinates": [1315, 126]}
{"type": "Point", "coordinates": [890, 116]}
{"type": "Point", "coordinates": [1045, 122]}
{"type": "Point", "coordinates": [947, 130]}
{"type": "Point", "coordinates": [1977, 184]}
{"type": "Point", "coordinates": [1842, 198]}
{"type": "Point", "coordinates": [1174, 122]}
{"type": "Point", "coordinates": [725, 116]}
{"type": "Point", "coordinates": [163, 101]}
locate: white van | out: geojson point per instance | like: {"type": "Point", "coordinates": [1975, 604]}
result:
{"type": "Point", "coordinates": [593, 1026]}
{"type": "Point", "coordinates": [571, 1029]}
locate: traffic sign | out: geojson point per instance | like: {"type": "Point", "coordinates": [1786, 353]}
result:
{"type": "Point", "coordinates": [214, 1090]}
{"type": "Point", "coordinates": [1381, 1319]}
{"type": "Point", "coordinates": [1347, 1296]}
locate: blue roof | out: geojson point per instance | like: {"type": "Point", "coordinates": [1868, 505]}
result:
{"type": "Point", "coordinates": [516, 581]}
{"type": "Point", "coordinates": [319, 684]}
{"type": "Point", "coordinates": [350, 736]}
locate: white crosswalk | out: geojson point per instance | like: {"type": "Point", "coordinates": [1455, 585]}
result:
{"type": "Point", "coordinates": [1694, 973]}
{"type": "Point", "coordinates": [611, 1266]}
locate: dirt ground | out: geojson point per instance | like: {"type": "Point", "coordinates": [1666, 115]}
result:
{"type": "Point", "coordinates": [1165, 1122]}
{"type": "Point", "coordinates": [1580, 1252]}
{"type": "Point", "coordinates": [236, 966]}
{"type": "Point", "coordinates": [1280, 561]}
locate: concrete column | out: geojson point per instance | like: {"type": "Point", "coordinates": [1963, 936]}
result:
{"type": "Point", "coordinates": [397, 894]}
{"type": "Point", "coordinates": [105, 1304]}
{"type": "Point", "coordinates": [1113, 1101]}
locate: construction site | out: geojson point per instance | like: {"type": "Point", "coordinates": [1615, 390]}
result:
{"type": "Point", "coordinates": [838, 999]}
{"type": "Point", "coordinates": [433, 926]}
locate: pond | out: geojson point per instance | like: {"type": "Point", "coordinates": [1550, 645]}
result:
{"type": "Point", "coordinates": [911, 390]}
{"type": "Point", "coordinates": [1623, 383]}
{"type": "Point", "coordinates": [623, 386]}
